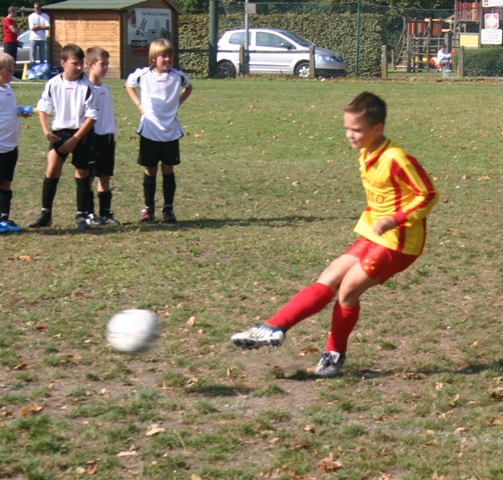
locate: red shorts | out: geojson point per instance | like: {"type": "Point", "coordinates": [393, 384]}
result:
{"type": "Point", "coordinates": [379, 261]}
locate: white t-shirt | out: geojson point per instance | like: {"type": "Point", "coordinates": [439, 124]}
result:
{"type": "Point", "coordinates": [10, 126]}
{"type": "Point", "coordinates": [40, 20]}
{"type": "Point", "coordinates": [105, 107]}
{"type": "Point", "coordinates": [160, 99]}
{"type": "Point", "coordinates": [72, 102]}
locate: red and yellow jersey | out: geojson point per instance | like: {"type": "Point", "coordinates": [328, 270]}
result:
{"type": "Point", "coordinates": [396, 186]}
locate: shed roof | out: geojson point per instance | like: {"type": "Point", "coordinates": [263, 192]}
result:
{"type": "Point", "coordinates": [101, 5]}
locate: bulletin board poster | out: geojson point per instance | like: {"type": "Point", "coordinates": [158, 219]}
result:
{"type": "Point", "coordinates": [146, 25]}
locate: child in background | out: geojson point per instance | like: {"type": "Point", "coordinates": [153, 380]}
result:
{"type": "Point", "coordinates": [70, 95]}
{"type": "Point", "coordinates": [392, 231]}
{"type": "Point", "coordinates": [10, 127]}
{"type": "Point", "coordinates": [163, 90]}
{"type": "Point", "coordinates": [104, 130]}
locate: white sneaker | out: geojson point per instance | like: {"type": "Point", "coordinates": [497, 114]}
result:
{"type": "Point", "coordinates": [262, 335]}
{"type": "Point", "coordinates": [330, 364]}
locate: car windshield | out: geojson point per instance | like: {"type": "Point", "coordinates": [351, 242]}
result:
{"type": "Point", "coordinates": [295, 38]}
{"type": "Point", "coordinates": [24, 37]}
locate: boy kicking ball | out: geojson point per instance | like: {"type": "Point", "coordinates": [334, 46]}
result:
{"type": "Point", "coordinates": [392, 230]}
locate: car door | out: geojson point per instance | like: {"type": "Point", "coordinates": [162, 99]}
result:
{"type": "Point", "coordinates": [271, 53]}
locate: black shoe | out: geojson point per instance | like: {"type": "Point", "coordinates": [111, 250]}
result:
{"type": "Point", "coordinates": [43, 219]}
{"type": "Point", "coordinates": [81, 222]}
{"type": "Point", "coordinates": [108, 218]}
{"type": "Point", "coordinates": [168, 215]}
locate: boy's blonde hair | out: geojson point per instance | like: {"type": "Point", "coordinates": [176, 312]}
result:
{"type": "Point", "coordinates": [161, 46]}
{"type": "Point", "coordinates": [6, 60]}
{"type": "Point", "coordinates": [95, 54]}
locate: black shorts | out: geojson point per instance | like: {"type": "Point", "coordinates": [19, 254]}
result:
{"type": "Point", "coordinates": [152, 152]}
{"type": "Point", "coordinates": [8, 162]}
{"type": "Point", "coordinates": [83, 154]}
{"type": "Point", "coordinates": [104, 155]}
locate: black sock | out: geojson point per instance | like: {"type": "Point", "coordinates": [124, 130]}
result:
{"type": "Point", "coordinates": [82, 195]}
{"type": "Point", "coordinates": [5, 199]}
{"type": "Point", "coordinates": [105, 199]}
{"type": "Point", "coordinates": [149, 187]}
{"type": "Point", "coordinates": [90, 202]}
{"type": "Point", "coordinates": [49, 192]}
{"type": "Point", "coordinates": [169, 188]}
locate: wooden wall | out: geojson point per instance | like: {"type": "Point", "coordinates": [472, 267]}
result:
{"type": "Point", "coordinates": [88, 29]}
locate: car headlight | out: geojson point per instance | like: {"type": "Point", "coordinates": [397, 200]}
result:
{"type": "Point", "coordinates": [325, 58]}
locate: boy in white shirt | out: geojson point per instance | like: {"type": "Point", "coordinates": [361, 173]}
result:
{"type": "Point", "coordinates": [97, 60]}
{"type": "Point", "coordinates": [70, 95]}
{"type": "Point", "coordinates": [163, 90]}
{"type": "Point", "coordinates": [10, 128]}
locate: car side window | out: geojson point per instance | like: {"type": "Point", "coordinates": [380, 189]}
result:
{"type": "Point", "coordinates": [237, 38]}
{"type": "Point", "coordinates": [265, 39]}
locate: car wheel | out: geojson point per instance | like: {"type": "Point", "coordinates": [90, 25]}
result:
{"type": "Point", "coordinates": [302, 70]}
{"type": "Point", "coordinates": [226, 69]}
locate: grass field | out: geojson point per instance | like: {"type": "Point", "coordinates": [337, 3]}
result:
{"type": "Point", "coordinates": [268, 193]}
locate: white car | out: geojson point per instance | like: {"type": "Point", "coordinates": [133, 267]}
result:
{"type": "Point", "coordinates": [275, 51]}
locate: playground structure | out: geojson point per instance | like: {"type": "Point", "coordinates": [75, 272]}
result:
{"type": "Point", "coordinates": [421, 39]}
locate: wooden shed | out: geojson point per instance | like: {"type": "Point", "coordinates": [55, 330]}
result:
{"type": "Point", "coordinates": [124, 28]}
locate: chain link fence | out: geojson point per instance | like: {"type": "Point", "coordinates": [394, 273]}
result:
{"type": "Point", "coordinates": [356, 31]}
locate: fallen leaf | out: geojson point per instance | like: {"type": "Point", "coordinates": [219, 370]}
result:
{"type": "Point", "coordinates": [328, 464]}
{"type": "Point", "coordinates": [29, 410]}
{"type": "Point", "coordinates": [126, 454]}
{"type": "Point", "coordinates": [21, 366]}
{"type": "Point", "coordinates": [154, 429]}
{"type": "Point", "coordinates": [497, 421]}
{"type": "Point", "coordinates": [309, 429]}
{"type": "Point", "coordinates": [460, 431]}
{"type": "Point", "coordinates": [92, 469]}
{"type": "Point", "coordinates": [41, 328]}
{"type": "Point", "coordinates": [191, 321]}
{"type": "Point", "coordinates": [24, 258]}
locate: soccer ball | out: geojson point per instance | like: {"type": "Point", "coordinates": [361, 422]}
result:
{"type": "Point", "coordinates": [132, 330]}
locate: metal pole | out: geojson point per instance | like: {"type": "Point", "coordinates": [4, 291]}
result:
{"type": "Point", "coordinates": [357, 50]}
{"type": "Point", "coordinates": [213, 38]}
{"type": "Point", "coordinates": [247, 32]}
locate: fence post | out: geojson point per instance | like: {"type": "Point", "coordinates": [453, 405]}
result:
{"type": "Point", "coordinates": [312, 65]}
{"type": "Point", "coordinates": [242, 62]}
{"type": "Point", "coordinates": [213, 39]}
{"type": "Point", "coordinates": [384, 61]}
{"type": "Point", "coordinates": [357, 46]}
{"type": "Point", "coordinates": [461, 60]}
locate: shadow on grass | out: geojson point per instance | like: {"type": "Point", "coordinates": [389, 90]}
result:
{"type": "Point", "coordinates": [181, 225]}
{"type": "Point", "coordinates": [218, 390]}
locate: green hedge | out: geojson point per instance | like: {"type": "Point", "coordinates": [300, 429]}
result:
{"type": "Point", "coordinates": [336, 32]}
{"type": "Point", "coordinates": [483, 62]}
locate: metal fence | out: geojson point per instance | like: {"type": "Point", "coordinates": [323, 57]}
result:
{"type": "Point", "coordinates": [412, 36]}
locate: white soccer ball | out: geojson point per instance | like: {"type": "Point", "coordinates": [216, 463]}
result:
{"type": "Point", "coordinates": [132, 330]}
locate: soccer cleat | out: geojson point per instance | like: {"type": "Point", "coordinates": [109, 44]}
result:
{"type": "Point", "coordinates": [330, 364]}
{"type": "Point", "coordinates": [43, 219]}
{"type": "Point", "coordinates": [108, 218]}
{"type": "Point", "coordinates": [147, 215]}
{"type": "Point", "coordinates": [4, 228]}
{"type": "Point", "coordinates": [93, 220]}
{"type": "Point", "coordinates": [262, 335]}
{"type": "Point", "coordinates": [13, 227]}
{"type": "Point", "coordinates": [81, 222]}
{"type": "Point", "coordinates": [168, 215]}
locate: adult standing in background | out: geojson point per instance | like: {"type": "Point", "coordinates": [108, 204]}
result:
{"type": "Point", "coordinates": [10, 31]}
{"type": "Point", "coordinates": [38, 23]}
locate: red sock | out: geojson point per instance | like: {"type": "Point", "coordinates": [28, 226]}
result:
{"type": "Point", "coordinates": [307, 302]}
{"type": "Point", "coordinates": [343, 321]}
